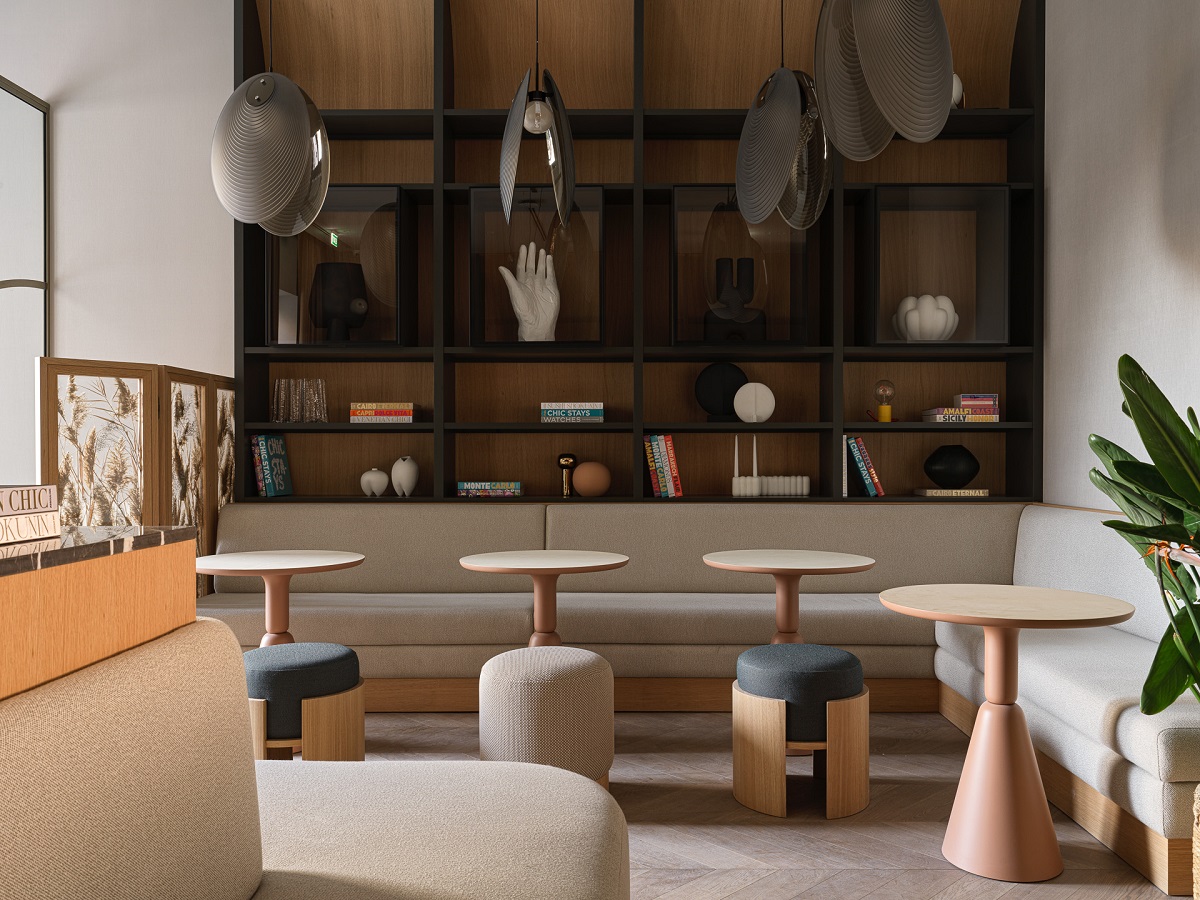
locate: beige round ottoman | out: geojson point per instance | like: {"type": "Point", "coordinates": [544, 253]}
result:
{"type": "Point", "coordinates": [548, 705]}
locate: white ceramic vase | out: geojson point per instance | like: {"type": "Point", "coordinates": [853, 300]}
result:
{"type": "Point", "coordinates": [374, 483]}
{"type": "Point", "coordinates": [925, 318]}
{"type": "Point", "coordinates": [404, 476]}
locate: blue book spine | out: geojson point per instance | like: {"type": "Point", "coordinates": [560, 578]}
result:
{"type": "Point", "coordinates": [862, 467]}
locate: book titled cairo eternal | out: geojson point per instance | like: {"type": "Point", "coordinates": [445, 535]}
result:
{"type": "Point", "coordinates": [951, 492]}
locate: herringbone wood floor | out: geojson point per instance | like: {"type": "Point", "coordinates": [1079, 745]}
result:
{"type": "Point", "coordinates": [689, 839]}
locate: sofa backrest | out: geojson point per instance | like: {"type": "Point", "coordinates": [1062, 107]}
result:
{"type": "Point", "coordinates": [912, 543]}
{"type": "Point", "coordinates": [133, 777]}
{"type": "Point", "coordinates": [1070, 549]}
{"type": "Point", "coordinates": [409, 547]}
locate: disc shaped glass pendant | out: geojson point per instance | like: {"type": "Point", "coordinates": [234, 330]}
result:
{"type": "Point", "coordinates": [768, 145]}
{"type": "Point", "coordinates": [510, 146]}
{"type": "Point", "coordinates": [853, 121]}
{"type": "Point", "coordinates": [270, 155]}
{"type": "Point", "coordinates": [811, 174]}
{"type": "Point", "coordinates": [560, 150]}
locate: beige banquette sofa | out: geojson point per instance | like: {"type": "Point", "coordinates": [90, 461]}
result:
{"type": "Point", "coordinates": [672, 628]}
{"type": "Point", "coordinates": [133, 778]}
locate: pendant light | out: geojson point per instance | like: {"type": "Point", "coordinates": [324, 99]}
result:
{"type": "Point", "coordinates": [539, 111]}
{"type": "Point", "coordinates": [783, 157]}
{"type": "Point", "coordinates": [270, 152]}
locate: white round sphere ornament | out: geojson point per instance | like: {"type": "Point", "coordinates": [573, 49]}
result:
{"type": "Point", "coordinates": [754, 402]}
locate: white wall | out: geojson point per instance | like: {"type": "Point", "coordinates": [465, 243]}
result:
{"type": "Point", "coordinates": [143, 251]}
{"type": "Point", "coordinates": [1122, 220]}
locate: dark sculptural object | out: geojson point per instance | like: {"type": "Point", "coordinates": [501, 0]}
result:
{"type": "Point", "coordinates": [730, 318]}
{"type": "Point", "coordinates": [338, 299]}
{"type": "Point", "coordinates": [567, 462]}
{"type": "Point", "coordinates": [951, 466]}
{"type": "Point", "coordinates": [715, 388]}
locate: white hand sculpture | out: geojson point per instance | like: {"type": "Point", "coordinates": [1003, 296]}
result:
{"type": "Point", "coordinates": [534, 294]}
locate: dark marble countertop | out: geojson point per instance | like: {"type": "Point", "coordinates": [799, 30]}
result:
{"type": "Point", "coordinates": [78, 543]}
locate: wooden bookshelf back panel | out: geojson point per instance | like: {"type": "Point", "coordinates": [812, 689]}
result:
{"type": "Point", "coordinates": [531, 459]}
{"type": "Point", "coordinates": [919, 385]}
{"type": "Point", "coordinates": [670, 390]}
{"type": "Point", "coordinates": [588, 48]}
{"type": "Point", "coordinates": [381, 162]}
{"type": "Point", "coordinates": [514, 391]}
{"type": "Point", "coordinates": [927, 252]}
{"type": "Point", "coordinates": [690, 162]}
{"type": "Point", "coordinates": [369, 54]}
{"type": "Point", "coordinates": [596, 162]}
{"type": "Point", "coordinates": [981, 39]}
{"type": "Point", "coordinates": [364, 382]}
{"type": "Point", "coordinates": [656, 275]}
{"type": "Point", "coordinates": [900, 456]}
{"type": "Point", "coordinates": [706, 460]}
{"type": "Point", "coordinates": [940, 162]}
{"type": "Point", "coordinates": [325, 465]}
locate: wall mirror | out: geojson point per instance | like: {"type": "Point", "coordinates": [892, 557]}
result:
{"type": "Point", "coordinates": [24, 274]}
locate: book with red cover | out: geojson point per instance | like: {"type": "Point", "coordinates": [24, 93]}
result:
{"type": "Point", "coordinates": [671, 461]}
{"type": "Point", "coordinates": [654, 484]}
{"type": "Point", "coordinates": [870, 466]}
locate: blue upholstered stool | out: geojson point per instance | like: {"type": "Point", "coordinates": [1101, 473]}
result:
{"type": "Point", "coordinates": [307, 697]}
{"type": "Point", "coordinates": [800, 697]}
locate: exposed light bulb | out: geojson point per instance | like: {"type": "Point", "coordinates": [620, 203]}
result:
{"type": "Point", "coordinates": [884, 392]}
{"type": "Point", "coordinates": [538, 117]}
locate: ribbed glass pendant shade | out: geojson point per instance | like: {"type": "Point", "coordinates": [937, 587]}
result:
{"type": "Point", "coordinates": [270, 155]}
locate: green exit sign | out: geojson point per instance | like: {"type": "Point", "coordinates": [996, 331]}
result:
{"type": "Point", "coordinates": [333, 238]}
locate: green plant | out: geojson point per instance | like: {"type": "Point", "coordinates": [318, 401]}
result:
{"type": "Point", "coordinates": [1161, 499]}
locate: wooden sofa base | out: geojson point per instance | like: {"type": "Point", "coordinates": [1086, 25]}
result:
{"type": "Point", "coordinates": [1166, 862]}
{"type": "Point", "coordinates": [631, 694]}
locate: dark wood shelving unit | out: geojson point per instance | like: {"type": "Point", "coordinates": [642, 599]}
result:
{"type": "Point", "coordinates": [645, 122]}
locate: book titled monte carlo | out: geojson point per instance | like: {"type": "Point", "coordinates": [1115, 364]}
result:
{"type": "Point", "coordinates": [276, 473]}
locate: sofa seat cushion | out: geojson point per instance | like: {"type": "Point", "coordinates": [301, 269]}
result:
{"type": "Point", "coordinates": [383, 619]}
{"type": "Point", "coordinates": [647, 618]}
{"type": "Point", "coordinates": [1164, 807]}
{"type": "Point", "coordinates": [438, 831]}
{"type": "Point", "coordinates": [1091, 679]}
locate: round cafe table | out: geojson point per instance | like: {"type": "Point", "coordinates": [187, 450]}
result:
{"type": "Point", "coordinates": [1000, 825]}
{"type": "Point", "coordinates": [276, 568]}
{"type": "Point", "coordinates": [788, 566]}
{"type": "Point", "coordinates": [545, 566]}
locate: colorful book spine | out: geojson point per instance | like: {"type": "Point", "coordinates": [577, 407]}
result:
{"type": "Point", "coordinates": [28, 498]}
{"type": "Point", "coordinates": [976, 399]}
{"type": "Point", "coordinates": [673, 463]}
{"type": "Point", "coordinates": [962, 410]}
{"type": "Point", "coordinates": [565, 404]}
{"type": "Point", "coordinates": [587, 416]}
{"type": "Point", "coordinates": [22, 527]}
{"type": "Point", "coordinates": [664, 468]}
{"type": "Point", "coordinates": [960, 418]}
{"type": "Point", "coordinates": [951, 492]}
{"type": "Point", "coordinates": [489, 485]}
{"type": "Point", "coordinates": [258, 469]}
{"type": "Point", "coordinates": [870, 466]}
{"type": "Point", "coordinates": [277, 477]}
{"type": "Point", "coordinates": [845, 469]}
{"type": "Point", "coordinates": [384, 405]}
{"type": "Point", "coordinates": [380, 420]}
{"type": "Point", "coordinates": [868, 484]}
{"type": "Point", "coordinates": [651, 467]}
{"type": "Point", "coordinates": [468, 492]}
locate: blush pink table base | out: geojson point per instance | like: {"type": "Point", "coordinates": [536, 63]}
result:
{"type": "Point", "coordinates": [278, 609]}
{"type": "Point", "coordinates": [545, 611]}
{"type": "Point", "coordinates": [787, 609]}
{"type": "Point", "coordinates": [1000, 826]}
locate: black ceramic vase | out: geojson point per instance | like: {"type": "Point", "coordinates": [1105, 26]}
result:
{"type": "Point", "coordinates": [951, 466]}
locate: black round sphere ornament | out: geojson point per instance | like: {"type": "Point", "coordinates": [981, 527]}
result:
{"type": "Point", "coordinates": [715, 387]}
{"type": "Point", "coordinates": [951, 466]}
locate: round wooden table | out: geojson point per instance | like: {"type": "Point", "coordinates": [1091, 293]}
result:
{"type": "Point", "coordinates": [1000, 826]}
{"type": "Point", "coordinates": [544, 566]}
{"type": "Point", "coordinates": [787, 566]}
{"type": "Point", "coordinates": [276, 568]}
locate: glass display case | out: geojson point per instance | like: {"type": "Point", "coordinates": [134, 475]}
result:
{"type": "Point", "coordinates": [577, 249]}
{"type": "Point", "coordinates": [942, 265]}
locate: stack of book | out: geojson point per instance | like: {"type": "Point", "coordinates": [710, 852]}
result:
{"type": "Point", "coordinates": [558, 412]}
{"type": "Point", "coordinates": [489, 489]}
{"type": "Point", "coordinates": [271, 470]}
{"type": "Point", "coordinates": [387, 412]}
{"type": "Point", "coordinates": [860, 460]}
{"type": "Point", "coordinates": [966, 408]}
{"type": "Point", "coordinates": [664, 469]}
{"type": "Point", "coordinates": [951, 492]}
{"type": "Point", "coordinates": [29, 521]}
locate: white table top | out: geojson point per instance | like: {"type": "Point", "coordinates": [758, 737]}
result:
{"type": "Point", "coordinates": [784, 562]}
{"type": "Point", "coordinates": [1006, 605]}
{"type": "Point", "coordinates": [541, 562]}
{"type": "Point", "coordinates": [273, 562]}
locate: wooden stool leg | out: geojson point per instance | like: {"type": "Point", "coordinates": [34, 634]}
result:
{"type": "Point", "coordinates": [848, 757]}
{"type": "Point", "coordinates": [258, 727]}
{"type": "Point", "coordinates": [333, 727]}
{"type": "Point", "coordinates": [759, 753]}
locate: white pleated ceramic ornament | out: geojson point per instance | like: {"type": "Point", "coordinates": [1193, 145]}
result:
{"type": "Point", "coordinates": [404, 476]}
{"type": "Point", "coordinates": [925, 318]}
{"type": "Point", "coordinates": [374, 483]}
